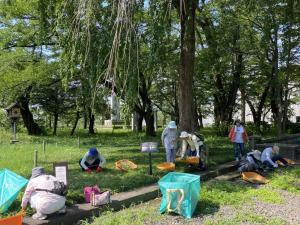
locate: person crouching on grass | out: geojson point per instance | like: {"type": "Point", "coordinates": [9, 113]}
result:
{"type": "Point", "coordinates": [92, 160]}
{"type": "Point", "coordinates": [270, 155]}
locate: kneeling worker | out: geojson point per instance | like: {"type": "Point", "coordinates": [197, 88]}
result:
{"type": "Point", "coordinates": [195, 146]}
{"type": "Point", "coordinates": [92, 160]}
{"type": "Point", "coordinates": [45, 194]}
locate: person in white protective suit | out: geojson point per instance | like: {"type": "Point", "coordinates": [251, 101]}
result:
{"type": "Point", "coordinates": [40, 196]}
{"type": "Point", "coordinates": [192, 145]}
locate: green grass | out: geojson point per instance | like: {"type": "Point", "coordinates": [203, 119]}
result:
{"type": "Point", "coordinates": [244, 218]}
{"type": "Point", "coordinates": [113, 144]}
{"type": "Point", "coordinates": [215, 194]}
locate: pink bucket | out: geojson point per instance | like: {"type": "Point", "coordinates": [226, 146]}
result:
{"type": "Point", "coordinates": [88, 191]}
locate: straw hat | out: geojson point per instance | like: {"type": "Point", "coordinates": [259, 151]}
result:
{"type": "Point", "coordinates": [184, 134]}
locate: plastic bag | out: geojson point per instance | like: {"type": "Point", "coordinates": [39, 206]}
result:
{"type": "Point", "coordinates": [10, 186]}
{"type": "Point", "coordinates": [100, 199]}
{"type": "Point", "coordinates": [88, 192]}
{"type": "Point", "coordinates": [180, 192]}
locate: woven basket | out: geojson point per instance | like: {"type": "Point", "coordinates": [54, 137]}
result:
{"type": "Point", "coordinates": [166, 166]}
{"type": "Point", "coordinates": [253, 177]}
{"type": "Point", "coordinates": [188, 160]}
{"type": "Point", "coordinates": [121, 163]}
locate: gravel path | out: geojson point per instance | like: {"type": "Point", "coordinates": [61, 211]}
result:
{"type": "Point", "coordinates": [287, 212]}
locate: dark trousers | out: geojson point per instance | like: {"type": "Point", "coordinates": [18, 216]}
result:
{"type": "Point", "coordinates": [237, 147]}
{"type": "Point", "coordinates": [194, 153]}
{"type": "Point", "coordinates": [274, 159]}
{"type": "Point", "coordinates": [92, 166]}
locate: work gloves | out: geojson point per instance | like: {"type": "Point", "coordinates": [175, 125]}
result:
{"type": "Point", "coordinates": [99, 169]}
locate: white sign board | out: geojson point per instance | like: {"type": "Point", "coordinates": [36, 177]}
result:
{"type": "Point", "coordinates": [61, 172]}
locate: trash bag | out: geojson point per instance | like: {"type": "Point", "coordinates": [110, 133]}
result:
{"type": "Point", "coordinates": [10, 186]}
{"type": "Point", "coordinates": [180, 193]}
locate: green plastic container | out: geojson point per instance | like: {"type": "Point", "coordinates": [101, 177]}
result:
{"type": "Point", "coordinates": [180, 193]}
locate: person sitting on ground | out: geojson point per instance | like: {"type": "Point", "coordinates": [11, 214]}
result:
{"type": "Point", "coordinates": [270, 155]}
{"type": "Point", "coordinates": [92, 160]}
{"type": "Point", "coordinates": [45, 194]}
{"type": "Point", "coordinates": [169, 141]}
{"type": "Point", "coordinates": [194, 144]}
{"type": "Point", "coordinates": [238, 136]}
{"type": "Point", "coordinates": [251, 162]}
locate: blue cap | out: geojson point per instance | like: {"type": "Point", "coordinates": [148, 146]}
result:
{"type": "Point", "coordinates": [93, 151]}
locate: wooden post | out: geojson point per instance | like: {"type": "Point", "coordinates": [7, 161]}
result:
{"type": "Point", "coordinates": [150, 163]}
{"type": "Point", "coordinates": [35, 158]}
{"type": "Point", "coordinates": [44, 147]}
{"type": "Point", "coordinates": [78, 142]}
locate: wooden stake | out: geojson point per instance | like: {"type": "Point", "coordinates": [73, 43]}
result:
{"type": "Point", "coordinates": [35, 158]}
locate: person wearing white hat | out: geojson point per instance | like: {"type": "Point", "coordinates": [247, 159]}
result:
{"type": "Point", "coordinates": [192, 143]}
{"type": "Point", "coordinates": [270, 155]}
{"type": "Point", "coordinates": [169, 141]}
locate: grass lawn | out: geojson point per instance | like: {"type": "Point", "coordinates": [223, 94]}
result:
{"type": "Point", "coordinates": [226, 202]}
{"type": "Point", "coordinates": [114, 145]}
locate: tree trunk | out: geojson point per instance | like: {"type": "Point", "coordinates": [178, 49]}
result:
{"type": "Point", "coordinates": [149, 119]}
{"type": "Point", "coordinates": [32, 127]}
{"type": "Point", "coordinates": [75, 123]}
{"type": "Point", "coordinates": [144, 106]}
{"type": "Point", "coordinates": [91, 122]}
{"type": "Point", "coordinates": [139, 122]}
{"type": "Point", "coordinates": [286, 89]}
{"type": "Point", "coordinates": [243, 107]}
{"type": "Point", "coordinates": [55, 123]}
{"type": "Point", "coordinates": [50, 121]}
{"type": "Point", "coordinates": [187, 58]}
{"type": "Point", "coordinates": [200, 117]}
{"type": "Point", "coordinates": [276, 88]}
{"type": "Point", "coordinates": [85, 118]}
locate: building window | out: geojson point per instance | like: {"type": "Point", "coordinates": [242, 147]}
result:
{"type": "Point", "coordinates": [297, 119]}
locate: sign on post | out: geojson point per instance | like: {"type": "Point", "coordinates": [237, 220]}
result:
{"type": "Point", "coordinates": [149, 147]}
{"type": "Point", "coordinates": [61, 171]}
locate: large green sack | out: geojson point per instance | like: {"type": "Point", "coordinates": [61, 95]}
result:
{"type": "Point", "coordinates": [180, 193]}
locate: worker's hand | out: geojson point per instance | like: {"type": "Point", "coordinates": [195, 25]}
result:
{"type": "Point", "coordinates": [99, 169]}
{"type": "Point", "coordinates": [88, 170]}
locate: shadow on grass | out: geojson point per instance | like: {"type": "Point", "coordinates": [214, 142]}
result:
{"type": "Point", "coordinates": [205, 207]}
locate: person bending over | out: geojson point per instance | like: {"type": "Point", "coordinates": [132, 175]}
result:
{"type": "Point", "coordinates": [92, 160]}
{"type": "Point", "coordinates": [270, 155]}
{"type": "Point", "coordinates": [44, 193]}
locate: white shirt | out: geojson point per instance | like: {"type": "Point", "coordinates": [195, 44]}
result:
{"type": "Point", "coordinates": [239, 134]}
{"type": "Point", "coordinates": [267, 155]}
{"type": "Point", "coordinates": [90, 160]}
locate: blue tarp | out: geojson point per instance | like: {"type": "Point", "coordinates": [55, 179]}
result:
{"type": "Point", "coordinates": [180, 193]}
{"type": "Point", "coordinates": [10, 186]}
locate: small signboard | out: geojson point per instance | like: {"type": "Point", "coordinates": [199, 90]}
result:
{"type": "Point", "coordinates": [147, 147]}
{"type": "Point", "coordinates": [61, 171]}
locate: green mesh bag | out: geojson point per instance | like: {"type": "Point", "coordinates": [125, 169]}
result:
{"type": "Point", "coordinates": [180, 193]}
